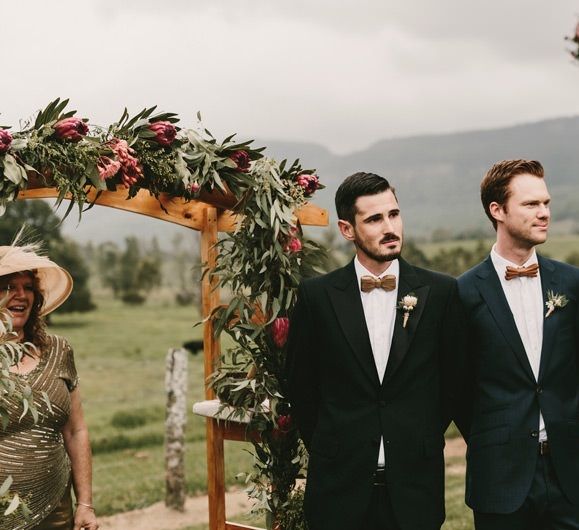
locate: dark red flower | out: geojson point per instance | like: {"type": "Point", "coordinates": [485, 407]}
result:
{"type": "Point", "coordinates": [165, 132]}
{"type": "Point", "coordinates": [5, 141]}
{"type": "Point", "coordinates": [284, 423]}
{"type": "Point", "coordinates": [70, 129]}
{"type": "Point", "coordinates": [309, 183]}
{"type": "Point", "coordinates": [279, 331]}
{"type": "Point", "coordinates": [242, 161]}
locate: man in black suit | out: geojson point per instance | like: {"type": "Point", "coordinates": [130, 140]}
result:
{"type": "Point", "coordinates": [523, 443]}
{"type": "Point", "coordinates": [374, 354]}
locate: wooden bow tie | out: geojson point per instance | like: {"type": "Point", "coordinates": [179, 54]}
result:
{"type": "Point", "coordinates": [518, 272]}
{"type": "Point", "coordinates": [388, 283]}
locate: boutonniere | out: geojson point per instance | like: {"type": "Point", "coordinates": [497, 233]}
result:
{"type": "Point", "coordinates": [554, 301]}
{"type": "Point", "coordinates": [407, 304]}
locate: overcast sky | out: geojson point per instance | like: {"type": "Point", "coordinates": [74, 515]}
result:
{"type": "Point", "coordinates": [341, 73]}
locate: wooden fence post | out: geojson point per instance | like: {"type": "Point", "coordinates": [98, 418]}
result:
{"type": "Point", "coordinates": [176, 417]}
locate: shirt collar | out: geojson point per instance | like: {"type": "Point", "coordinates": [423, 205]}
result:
{"type": "Point", "coordinates": [363, 271]}
{"type": "Point", "coordinates": [501, 263]}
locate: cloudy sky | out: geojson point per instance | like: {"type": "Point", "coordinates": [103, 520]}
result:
{"type": "Point", "coordinates": [343, 74]}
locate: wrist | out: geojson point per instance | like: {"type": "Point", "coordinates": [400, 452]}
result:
{"type": "Point", "coordinates": [85, 504]}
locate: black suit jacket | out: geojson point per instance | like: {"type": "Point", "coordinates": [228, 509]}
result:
{"type": "Point", "coordinates": [503, 437]}
{"type": "Point", "coordinates": [342, 410]}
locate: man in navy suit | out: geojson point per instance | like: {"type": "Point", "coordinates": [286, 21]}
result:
{"type": "Point", "coordinates": [523, 441]}
{"type": "Point", "coordinates": [373, 366]}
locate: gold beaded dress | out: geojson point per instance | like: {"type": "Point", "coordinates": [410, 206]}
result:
{"type": "Point", "coordinates": [33, 453]}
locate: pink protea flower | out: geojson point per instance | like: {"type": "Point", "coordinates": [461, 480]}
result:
{"type": "Point", "coordinates": [293, 245]}
{"type": "Point", "coordinates": [279, 331]}
{"type": "Point", "coordinates": [165, 132]}
{"type": "Point", "coordinates": [5, 141]}
{"type": "Point", "coordinates": [107, 167]}
{"type": "Point", "coordinates": [309, 183]}
{"type": "Point", "coordinates": [194, 187]}
{"type": "Point", "coordinates": [70, 129]}
{"type": "Point", "coordinates": [131, 170]}
{"type": "Point", "coordinates": [242, 160]}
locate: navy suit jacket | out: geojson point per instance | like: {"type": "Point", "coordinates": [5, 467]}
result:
{"type": "Point", "coordinates": [506, 398]}
{"type": "Point", "coordinates": [342, 409]}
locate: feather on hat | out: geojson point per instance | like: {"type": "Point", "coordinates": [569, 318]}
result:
{"type": "Point", "coordinates": [55, 282]}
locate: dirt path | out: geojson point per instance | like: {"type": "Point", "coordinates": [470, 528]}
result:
{"type": "Point", "coordinates": [158, 517]}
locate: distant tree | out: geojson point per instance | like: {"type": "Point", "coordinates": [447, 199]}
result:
{"type": "Point", "coordinates": [573, 259]}
{"type": "Point", "coordinates": [414, 255]}
{"type": "Point", "coordinates": [107, 263]}
{"type": "Point", "coordinates": [456, 260]}
{"type": "Point", "coordinates": [129, 274]}
{"type": "Point", "coordinates": [44, 225]}
{"type": "Point", "coordinates": [67, 254]}
{"type": "Point", "coordinates": [188, 271]}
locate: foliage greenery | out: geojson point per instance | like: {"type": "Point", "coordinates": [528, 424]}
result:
{"type": "Point", "coordinates": [260, 263]}
{"type": "Point", "coordinates": [11, 351]}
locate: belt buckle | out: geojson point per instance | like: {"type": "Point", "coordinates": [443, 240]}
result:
{"type": "Point", "coordinates": [544, 448]}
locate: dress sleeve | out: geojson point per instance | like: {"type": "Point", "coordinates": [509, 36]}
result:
{"type": "Point", "coordinates": [68, 368]}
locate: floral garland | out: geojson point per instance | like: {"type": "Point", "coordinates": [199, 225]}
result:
{"type": "Point", "coordinates": [146, 151]}
{"type": "Point", "coordinates": [575, 40]}
{"type": "Point", "coordinates": [261, 263]}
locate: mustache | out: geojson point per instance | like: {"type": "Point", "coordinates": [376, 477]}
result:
{"type": "Point", "coordinates": [389, 238]}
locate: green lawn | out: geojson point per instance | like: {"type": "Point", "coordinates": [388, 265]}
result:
{"type": "Point", "coordinates": [557, 247]}
{"type": "Point", "coordinates": [120, 354]}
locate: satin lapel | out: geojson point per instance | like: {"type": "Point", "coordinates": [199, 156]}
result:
{"type": "Point", "coordinates": [491, 290]}
{"type": "Point", "coordinates": [345, 296]}
{"type": "Point", "coordinates": [409, 283]}
{"type": "Point", "coordinates": [549, 282]}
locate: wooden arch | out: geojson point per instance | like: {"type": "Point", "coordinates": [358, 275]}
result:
{"type": "Point", "coordinates": [209, 215]}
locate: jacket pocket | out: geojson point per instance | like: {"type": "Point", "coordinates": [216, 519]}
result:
{"type": "Point", "coordinates": [494, 436]}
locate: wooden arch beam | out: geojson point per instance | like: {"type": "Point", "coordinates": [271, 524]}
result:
{"type": "Point", "coordinates": [176, 209]}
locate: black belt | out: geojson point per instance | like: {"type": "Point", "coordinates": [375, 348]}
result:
{"type": "Point", "coordinates": [544, 448]}
{"type": "Point", "coordinates": [379, 478]}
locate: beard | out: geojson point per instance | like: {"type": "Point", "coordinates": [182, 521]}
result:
{"type": "Point", "coordinates": [380, 258]}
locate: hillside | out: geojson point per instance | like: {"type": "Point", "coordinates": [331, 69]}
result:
{"type": "Point", "coordinates": [436, 176]}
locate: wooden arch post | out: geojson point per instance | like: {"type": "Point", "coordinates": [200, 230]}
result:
{"type": "Point", "coordinates": [210, 214]}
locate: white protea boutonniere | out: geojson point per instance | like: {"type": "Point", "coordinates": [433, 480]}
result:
{"type": "Point", "coordinates": [555, 301]}
{"type": "Point", "coordinates": [407, 304]}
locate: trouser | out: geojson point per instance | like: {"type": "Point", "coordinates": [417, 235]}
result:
{"type": "Point", "coordinates": [380, 515]}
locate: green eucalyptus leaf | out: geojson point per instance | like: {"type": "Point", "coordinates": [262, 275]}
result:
{"type": "Point", "coordinates": [13, 171]}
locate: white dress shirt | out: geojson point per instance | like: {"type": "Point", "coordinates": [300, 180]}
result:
{"type": "Point", "coordinates": [525, 298]}
{"type": "Point", "coordinates": [380, 314]}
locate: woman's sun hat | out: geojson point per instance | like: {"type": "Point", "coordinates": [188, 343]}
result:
{"type": "Point", "coordinates": [54, 282]}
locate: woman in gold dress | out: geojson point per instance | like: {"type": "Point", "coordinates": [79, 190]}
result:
{"type": "Point", "coordinates": [44, 458]}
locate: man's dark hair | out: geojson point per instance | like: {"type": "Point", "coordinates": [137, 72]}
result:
{"type": "Point", "coordinates": [495, 184]}
{"type": "Point", "coordinates": [358, 185]}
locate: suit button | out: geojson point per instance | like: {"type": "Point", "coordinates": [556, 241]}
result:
{"type": "Point", "coordinates": [382, 403]}
{"type": "Point", "coordinates": [539, 390]}
{"type": "Point", "coordinates": [534, 434]}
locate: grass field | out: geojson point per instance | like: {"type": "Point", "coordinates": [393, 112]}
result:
{"type": "Point", "coordinates": [557, 246]}
{"type": "Point", "coordinates": [120, 355]}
